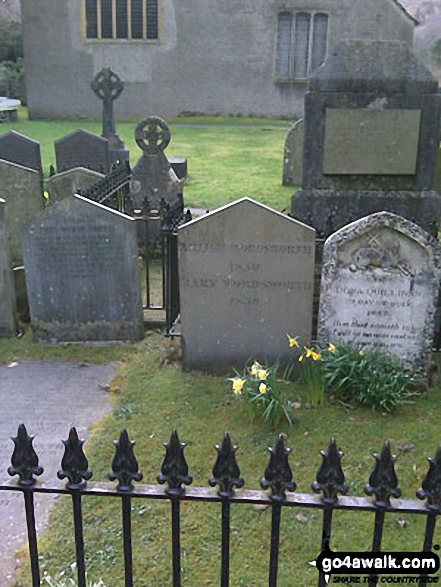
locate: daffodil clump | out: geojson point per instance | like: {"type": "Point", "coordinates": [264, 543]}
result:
{"type": "Point", "coordinates": [263, 392]}
{"type": "Point", "coordinates": [311, 371]}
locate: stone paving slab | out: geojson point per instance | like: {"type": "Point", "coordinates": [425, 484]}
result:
{"type": "Point", "coordinates": [48, 397]}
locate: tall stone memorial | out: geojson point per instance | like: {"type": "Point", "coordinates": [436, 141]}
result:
{"type": "Point", "coordinates": [379, 287]}
{"type": "Point", "coordinates": [246, 280]}
{"type": "Point", "coordinates": [372, 115]}
{"type": "Point", "coordinates": [7, 296]}
{"type": "Point", "coordinates": [82, 273]}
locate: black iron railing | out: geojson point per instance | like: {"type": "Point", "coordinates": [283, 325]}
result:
{"type": "Point", "coordinates": [277, 482]}
{"type": "Point", "coordinates": [112, 190]}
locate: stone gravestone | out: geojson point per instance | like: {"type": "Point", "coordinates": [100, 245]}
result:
{"type": "Point", "coordinates": [82, 148]}
{"type": "Point", "coordinates": [7, 296]}
{"type": "Point", "coordinates": [380, 286]}
{"type": "Point", "coordinates": [17, 148]}
{"type": "Point", "coordinates": [246, 280]}
{"type": "Point", "coordinates": [82, 273]}
{"type": "Point", "coordinates": [22, 190]}
{"type": "Point", "coordinates": [370, 138]}
{"type": "Point", "coordinates": [293, 155]}
{"type": "Point", "coordinates": [108, 87]}
{"type": "Point", "coordinates": [68, 183]}
{"type": "Point", "coordinates": [153, 178]}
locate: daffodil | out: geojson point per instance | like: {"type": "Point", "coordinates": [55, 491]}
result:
{"type": "Point", "coordinates": [308, 352]}
{"type": "Point", "coordinates": [361, 353]}
{"type": "Point", "coordinates": [316, 356]}
{"type": "Point", "coordinates": [301, 358]}
{"type": "Point", "coordinates": [293, 341]}
{"type": "Point", "coordinates": [238, 385]}
{"type": "Point", "coordinates": [255, 368]}
{"type": "Point", "coordinates": [262, 388]}
{"type": "Point", "coordinates": [332, 348]}
{"type": "Point", "coordinates": [262, 374]}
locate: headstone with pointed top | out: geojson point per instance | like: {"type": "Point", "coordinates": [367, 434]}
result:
{"type": "Point", "coordinates": [82, 148]}
{"type": "Point", "coordinates": [7, 296]}
{"type": "Point", "coordinates": [82, 273]}
{"type": "Point", "coordinates": [246, 280]}
{"type": "Point", "coordinates": [379, 287]}
{"type": "Point", "coordinates": [19, 149]}
{"type": "Point", "coordinates": [293, 155]}
{"type": "Point", "coordinates": [67, 183]}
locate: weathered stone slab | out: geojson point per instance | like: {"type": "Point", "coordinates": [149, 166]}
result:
{"type": "Point", "coordinates": [21, 188]}
{"type": "Point", "coordinates": [246, 279]}
{"type": "Point", "coordinates": [179, 166]}
{"type": "Point", "coordinates": [82, 273]}
{"type": "Point", "coordinates": [19, 149]}
{"type": "Point", "coordinates": [371, 142]}
{"type": "Point", "coordinates": [7, 296]}
{"type": "Point", "coordinates": [65, 184]}
{"type": "Point", "coordinates": [379, 287]}
{"type": "Point", "coordinates": [82, 148]}
{"type": "Point", "coordinates": [293, 155]}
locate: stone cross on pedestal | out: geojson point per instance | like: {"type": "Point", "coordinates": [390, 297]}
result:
{"type": "Point", "coordinates": [157, 130]}
{"type": "Point", "coordinates": [108, 86]}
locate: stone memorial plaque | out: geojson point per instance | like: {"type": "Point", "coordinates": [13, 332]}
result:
{"type": "Point", "coordinates": [21, 188]}
{"type": "Point", "coordinates": [16, 148]}
{"type": "Point", "coordinates": [246, 280]}
{"type": "Point", "coordinates": [65, 184]}
{"type": "Point", "coordinates": [82, 148]}
{"type": "Point", "coordinates": [7, 296]}
{"type": "Point", "coordinates": [82, 273]}
{"type": "Point", "coordinates": [371, 141]}
{"type": "Point", "coordinates": [293, 155]}
{"type": "Point", "coordinates": [379, 287]}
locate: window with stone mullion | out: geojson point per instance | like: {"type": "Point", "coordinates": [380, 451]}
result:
{"type": "Point", "coordinates": [319, 40]}
{"type": "Point", "coordinates": [122, 23]}
{"type": "Point", "coordinates": [106, 19]}
{"type": "Point", "coordinates": [301, 45]}
{"type": "Point", "coordinates": [284, 33]}
{"type": "Point", "coordinates": [91, 19]}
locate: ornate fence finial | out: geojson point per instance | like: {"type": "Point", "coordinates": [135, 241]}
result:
{"type": "Point", "coordinates": [278, 474]}
{"type": "Point", "coordinates": [431, 485]}
{"type": "Point", "coordinates": [383, 482]}
{"type": "Point", "coordinates": [174, 470]}
{"type": "Point", "coordinates": [330, 477]}
{"type": "Point", "coordinates": [124, 464]}
{"type": "Point", "coordinates": [226, 471]}
{"type": "Point", "coordinates": [24, 461]}
{"type": "Point", "coordinates": [74, 465]}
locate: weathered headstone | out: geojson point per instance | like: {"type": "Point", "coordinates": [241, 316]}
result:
{"type": "Point", "coordinates": [372, 115]}
{"type": "Point", "coordinates": [246, 280]}
{"type": "Point", "coordinates": [108, 86]}
{"type": "Point", "coordinates": [293, 155]}
{"type": "Point", "coordinates": [22, 190]}
{"type": "Point", "coordinates": [179, 166]}
{"type": "Point", "coordinates": [82, 273]}
{"type": "Point", "coordinates": [19, 149]}
{"type": "Point", "coordinates": [153, 178]}
{"type": "Point", "coordinates": [380, 286]}
{"type": "Point", "coordinates": [7, 296]}
{"type": "Point", "coordinates": [67, 183]}
{"type": "Point", "coordinates": [82, 148]}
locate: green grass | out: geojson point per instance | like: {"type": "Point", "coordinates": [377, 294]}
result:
{"type": "Point", "coordinates": [157, 397]}
{"type": "Point", "coordinates": [224, 163]}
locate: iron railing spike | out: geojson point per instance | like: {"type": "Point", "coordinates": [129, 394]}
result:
{"type": "Point", "coordinates": [226, 472]}
{"type": "Point", "coordinates": [74, 464]}
{"type": "Point", "coordinates": [124, 464]}
{"type": "Point", "coordinates": [174, 470]}
{"type": "Point", "coordinates": [431, 485]}
{"type": "Point", "coordinates": [383, 481]}
{"type": "Point", "coordinates": [278, 474]}
{"type": "Point", "coordinates": [330, 477]}
{"type": "Point", "coordinates": [24, 460]}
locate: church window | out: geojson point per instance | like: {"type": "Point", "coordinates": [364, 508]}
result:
{"type": "Point", "coordinates": [122, 19]}
{"type": "Point", "coordinates": [301, 43]}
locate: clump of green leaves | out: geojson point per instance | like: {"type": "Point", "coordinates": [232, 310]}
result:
{"type": "Point", "coordinates": [63, 581]}
{"type": "Point", "coordinates": [265, 391]}
{"type": "Point", "coordinates": [373, 378]}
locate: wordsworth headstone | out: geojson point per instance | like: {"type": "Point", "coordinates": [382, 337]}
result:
{"type": "Point", "coordinates": [379, 287]}
{"type": "Point", "coordinates": [153, 178]}
{"type": "Point", "coordinates": [82, 273]}
{"type": "Point", "coordinates": [246, 280]}
{"type": "Point", "coordinates": [68, 183]}
{"type": "Point", "coordinates": [21, 188]}
{"type": "Point", "coordinates": [19, 149]}
{"type": "Point", "coordinates": [7, 296]}
{"type": "Point", "coordinates": [293, 155]}
{"type": "Point", "coordinates": [82, 148]}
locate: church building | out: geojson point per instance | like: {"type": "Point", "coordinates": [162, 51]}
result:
{"type": "Point", "coordinates": [175, 56]}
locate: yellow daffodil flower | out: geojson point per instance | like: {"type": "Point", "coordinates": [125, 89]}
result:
{"type": "Point", "coordinates": [332, 348]}
{"type": "Point", "coordinates": [255, 368]}
{"type": "Point", "coordinates": [262, 374]}
{"type": "Point", "coordinates": [308, 352]}
{"type": "Point", "coordinates": [301, 358]}
{"type": "Point", "coordinates": [238, 385]}
{"type": "Point", "coordinates": [316, 356]}
{"type": "Point", "coordinates": [262, 388]}
{"type": "Point", "coordinates": [361, 353]}
{"type": "Point", "coordinates": [293, 341]}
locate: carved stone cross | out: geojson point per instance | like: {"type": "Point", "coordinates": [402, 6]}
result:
{"type": "Point", "coordinates": [107, 86]}
{"type": "Point", "coordinates": [157, 134]}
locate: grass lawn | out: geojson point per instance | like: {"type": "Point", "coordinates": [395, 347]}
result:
{"type": "Point", "coordinates": [224, 162]}
{"type": "Point", "coordinates": [156, 397]}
